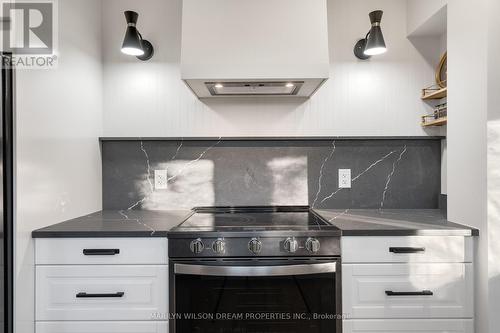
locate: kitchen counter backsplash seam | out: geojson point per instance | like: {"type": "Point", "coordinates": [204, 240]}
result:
{"type": "Point", "coordinates": [385, 174]}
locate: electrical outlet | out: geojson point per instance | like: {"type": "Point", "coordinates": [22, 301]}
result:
{"type": "Point", "coordinates": [344, 178]}
{"type": "Point", "coordinates": [161, 179]}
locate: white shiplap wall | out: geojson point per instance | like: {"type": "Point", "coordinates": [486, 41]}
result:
{"type": "Point", "coordinates": [493, 159]}
{"type": "Point", "coordinates": [377, 97]}
{"type": "Point", "coordinates": [58, 166]}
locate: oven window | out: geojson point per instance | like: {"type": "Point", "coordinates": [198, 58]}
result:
{"type": "Point", "coordinates": [213, 304]}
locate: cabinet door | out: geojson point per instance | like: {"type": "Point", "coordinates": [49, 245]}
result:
{"type": "Point", "coordinates": [407, 290]}
{"type": "Point", "coordinates": [102, 327]}
{"type": "Point", "coordinates": [101, 292]}
{"type": "Point", "coordinates": [408, 326]}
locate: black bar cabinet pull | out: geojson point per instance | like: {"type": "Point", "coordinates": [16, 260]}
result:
{"type": "Point", "coordinates": [100, 252]}
{"type": "Point", "coordinates": [406, 249]}
{"type": "Point", "coordinates": [409, 293]}
{"type": "Point", "coordinates": [85, 295]}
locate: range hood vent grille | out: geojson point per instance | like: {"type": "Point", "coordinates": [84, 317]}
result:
{"type": "Point", "coordinates": [264, 88]}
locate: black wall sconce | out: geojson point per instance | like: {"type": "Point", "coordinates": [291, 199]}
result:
{"type": "Point", "coordinates": [373, 43]}
{"type": "Point", "coordinates": [133, 44]}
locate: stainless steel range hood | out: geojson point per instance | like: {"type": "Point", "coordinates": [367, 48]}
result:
{"type": "Point", "coordinates": [254, 47]}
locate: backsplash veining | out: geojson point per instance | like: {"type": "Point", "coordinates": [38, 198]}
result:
{"type": "Point", "coordinates": [386, 173]}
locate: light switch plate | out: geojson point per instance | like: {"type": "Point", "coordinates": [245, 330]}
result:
{"type": "Point", "coordinates": [344, 178]}
{"type": "Point", "coordinates": [161, 179]}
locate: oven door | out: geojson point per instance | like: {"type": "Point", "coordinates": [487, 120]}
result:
{"type": "Point", "coordinates": [255, 295]}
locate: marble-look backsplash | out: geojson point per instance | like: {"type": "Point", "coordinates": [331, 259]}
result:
{"type": "Point", "coordinates": [386, 173]}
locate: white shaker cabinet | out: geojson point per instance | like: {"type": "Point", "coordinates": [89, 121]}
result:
{"type": "Point", "coordinates": [409, 326]}
{"type": "Point", "coordinates": [407, 284]}
{"type": "Point", "coordinates": [105, 285]}
{"type": "Point", "coordinates": [101, 327]}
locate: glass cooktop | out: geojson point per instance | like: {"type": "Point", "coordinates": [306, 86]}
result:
{"type": "Point", "coordinates": [253, 218]}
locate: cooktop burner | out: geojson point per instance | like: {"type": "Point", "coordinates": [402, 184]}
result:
{"type": "Point", "coordinates": [254, 231]}
{"type": "Point", "coordinates": [252, 218]}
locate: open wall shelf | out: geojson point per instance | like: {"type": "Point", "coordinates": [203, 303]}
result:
{"type": "Point", "coordinates": [437, 122]}
{"type": "Point", "coordinates": [438, 94]}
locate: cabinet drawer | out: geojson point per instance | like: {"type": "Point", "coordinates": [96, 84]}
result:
{"type": "Point", "coordinates": [436, 290]}
{"type": "Point", "coordinates": [101, 292]}
{"type": "Point", "coordinates": [96, 251]}
{"type": "Point", "coordinates": [408, 326]}
{"type": "Point", "coordinates": [407, 249]}
{"type": "Point", "coordinates": [102, 327]}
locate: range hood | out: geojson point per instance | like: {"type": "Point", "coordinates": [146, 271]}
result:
{"type": "Point", "coordinates": [254, 47]}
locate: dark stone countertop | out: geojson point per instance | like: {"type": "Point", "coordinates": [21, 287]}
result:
{"type": "Point", "coordinates": [355, 222]}
{"type": "Point", "coordinates": [269, 138]}
{"type": "Point", "coordinates": [113, 223]}
{"type": "Point", "coordinates": [394, 222]}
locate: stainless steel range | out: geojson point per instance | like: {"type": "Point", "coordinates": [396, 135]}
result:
{"type": "Point", "coordinates": [254, 269]}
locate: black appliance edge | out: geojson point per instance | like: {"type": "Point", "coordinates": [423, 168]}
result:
{"type": "Point", "coordinates": [8, 185]}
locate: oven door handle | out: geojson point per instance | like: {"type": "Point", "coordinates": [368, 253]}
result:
{"type": "Point", "coordinates": [285, 270]}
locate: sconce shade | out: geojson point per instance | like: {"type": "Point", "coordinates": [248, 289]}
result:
{"type": "Point", "coordinates": [375, 43]}
{"type": "Point", "coordinates": [131, 17]}
{"type": "Point", "coordinates": [376, 16]}
{"type": "Point", "coordinates": [133, 44]}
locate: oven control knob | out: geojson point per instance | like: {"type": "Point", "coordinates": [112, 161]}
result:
{"type": "Point", "coordinates": [255, 246]}
{"type": "Point", "coordinates": [291, 245]}
{"type": "Point", "coordinates": [219, 246]}
{"type": "Point", "coordinates": [196, 246]}
{"type": "Point", "coordinates": [312, 245]}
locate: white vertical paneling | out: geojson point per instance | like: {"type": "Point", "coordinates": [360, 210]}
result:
{"type": "Point", "coordinates": [376, 97]}
{"type": "Point", "coordinates": [59, 117]}
{"type": "Point", "coordinates": [467, 141]}
{"type": "Point", "coordinates": [493, 164]}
